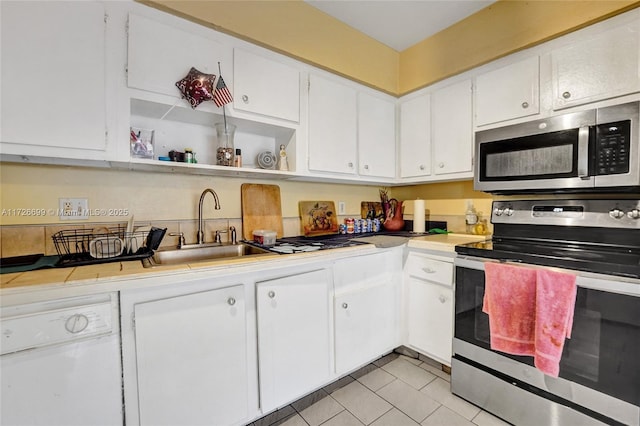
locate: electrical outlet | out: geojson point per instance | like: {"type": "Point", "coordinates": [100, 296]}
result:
{"type": "Point", "coordinates": [342, 208]}
{"type": "Point", "coordinates": [73, 208]}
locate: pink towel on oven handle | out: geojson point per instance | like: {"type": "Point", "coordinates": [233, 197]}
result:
{"type": "Point", "coordinates": [510, 302]}
{"type": "Point", "coordinates": [555, 304]}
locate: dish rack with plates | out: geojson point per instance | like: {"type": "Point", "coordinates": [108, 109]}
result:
{"type": "Point", "coordinates": [78, 247]}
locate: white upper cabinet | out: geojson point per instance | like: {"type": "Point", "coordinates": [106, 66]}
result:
{"type": "Point", "coordinates": [602, 66]}
{"type": "Point", "coordinates": [452, 133]}
{"type": "Point", "coordinates": [53, 79]}
{"type": "Point", "coordinates": [332, 126]}
{"type": "Point", "coordinates": [266, 87]}
{"type": "Point", "coordinates": [415, 137]}
{"type": "Point", "coordinates": [509, 92]}
{"type": "Point", "coordinates": [160, 55]}
{"type": "Point", "coordinates": [376, 136]}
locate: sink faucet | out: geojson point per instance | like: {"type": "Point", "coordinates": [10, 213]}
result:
{"type": "Point", "coordinates": [200, 220]}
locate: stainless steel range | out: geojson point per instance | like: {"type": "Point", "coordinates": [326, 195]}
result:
{"type": "Point", "coordinates": [599, 377]}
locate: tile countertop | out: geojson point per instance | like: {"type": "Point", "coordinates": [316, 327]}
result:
{"type": "Point", "coordinates": [107, 275]}
{"type": "Point", "coordinates": [444, 242]}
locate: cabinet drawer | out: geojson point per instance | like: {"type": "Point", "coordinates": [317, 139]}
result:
{"type": "Point", "coordinates": [363, 271]}
{"type": "Point", "coordinates": [430, 269]}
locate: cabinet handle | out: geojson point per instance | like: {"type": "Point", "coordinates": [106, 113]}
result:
{"type": "Point", "coordinates": [421, 166]}
{"type": "Point", "coordinates": [566, 95]}
{"type": "Point", "coordinates": [231, 301]}
{"type": "Point", "coordinates": [525, 105]}
{"type": "Point", "coordinates": [442, 299]}
{"type": "Point", "coordinates": [245, 99]}
{"type": "Point", "coordinates": [345, 306]}
{"type": "Point", "coordinates": [429, 270]}
{"type": "Point", "coordinates": [271, 294]}
{"type": "Point", "coordinates": [441, 165]}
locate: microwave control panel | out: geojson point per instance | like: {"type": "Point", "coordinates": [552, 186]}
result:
{"type": "Point", "coordinates": [612, 148]}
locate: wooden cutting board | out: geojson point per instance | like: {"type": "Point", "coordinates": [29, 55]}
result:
{"type": "Point", "coordinates": [261, 209]}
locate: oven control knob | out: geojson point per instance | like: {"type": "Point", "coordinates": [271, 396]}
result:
{"type": "Point", "coordinates": [497, 211]}
{"type": "Point", "coordinates": [616, 213]}
{"type": "Point", "coordinates": [508, 211]}
{"type": "Point", "coordinates": [634, 214]}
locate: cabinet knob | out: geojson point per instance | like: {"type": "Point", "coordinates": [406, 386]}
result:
{"type": "Point", "coordinates": [442, 299]}
{"type": "Point", "coordinates": [441, 165]}
{"type": "Point", "coordinates": [345, 305]}
{"type": "Point", "coordinates": [366, 167]}
{"type": "Point", "coordinates": [245, 99]}
{"type": "Point", "coordinates": [350, 164]}
{"type": "Point", "coordinates": [231, 301]}
{"type": "Point", "coordinates": [271, 294]}
{"type": "Point", "coordinates": [525, 105]}
{"type": "Point", "coordinates": [421, 166]}
{"type": "Point", "coordinates": [566, 95]}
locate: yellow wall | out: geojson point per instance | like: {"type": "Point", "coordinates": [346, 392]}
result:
{"type": "Point", "coordinates": [149, 196]}
{"type": "Point", "coordinates": [297, 29]}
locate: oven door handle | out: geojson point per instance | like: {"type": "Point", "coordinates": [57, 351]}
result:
{"type": "Point", "coordinates": [607, 283]}
{"type": "Point", "coordinates": [583, 153]}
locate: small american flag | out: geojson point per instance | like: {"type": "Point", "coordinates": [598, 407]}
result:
{"type": "Point", "coordinates": [222, 95]}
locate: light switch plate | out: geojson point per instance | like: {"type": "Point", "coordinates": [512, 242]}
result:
{"type": "Point", "coordinates": [342, 208]}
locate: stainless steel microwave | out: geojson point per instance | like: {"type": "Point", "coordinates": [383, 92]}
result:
{"type": "Point", "coordinates": [593, 150]}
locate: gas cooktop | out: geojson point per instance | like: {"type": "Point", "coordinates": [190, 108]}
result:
{"type": "Point", "coordinates": [289, 245]}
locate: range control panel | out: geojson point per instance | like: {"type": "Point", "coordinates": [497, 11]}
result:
{"type": "Point", "coordinates": [591, 213]}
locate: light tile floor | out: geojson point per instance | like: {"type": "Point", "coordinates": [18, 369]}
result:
{"type": "Point", "coordinates": [395, 390]}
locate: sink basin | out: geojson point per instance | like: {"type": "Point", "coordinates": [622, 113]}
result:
{"type": "Point", "coordinates": [202, 253]}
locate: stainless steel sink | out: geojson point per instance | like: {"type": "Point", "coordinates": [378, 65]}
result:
{"type": "Point", "coordinates": [201, 253]}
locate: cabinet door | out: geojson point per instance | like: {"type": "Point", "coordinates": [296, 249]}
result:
{"type": "Point", "coordinates": [159, 55]}
{"type": "Point", "coordinates": [191, 356]}
{"type": "Point", "coordinates": [53, 76]}
{"type": "Point", "coordinates": [265, 87]}
{"type": "Point", "coordinates": [415, 137]}
{"type": "Point", "coordinates": [430, 319]}
{"type": "Point", "coordinates": [376, 136]}
{"type": "Point", "coordinates": [603, 66]}
{"type": "Point", "coordinates": [452, 135]}
{"type": "Point", "coordinates": [364, 325]}
{"type": "Point", "coordinates": [293, 336]}
{"type": "Point", "coordinates": [332, 126]}
{"type": "Point", "coordinates": [510, 92]}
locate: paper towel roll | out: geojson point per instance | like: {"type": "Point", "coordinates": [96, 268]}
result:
{"type": "Point", "coordinates": [418, 216]}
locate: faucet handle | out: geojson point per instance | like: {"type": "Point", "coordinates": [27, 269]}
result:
{"type": "Point", "coordinates": [218, 237]}
{"type": "Point", "coordinates": [234, 238]}
{"type": "Point", "coordinates": [180, 235]}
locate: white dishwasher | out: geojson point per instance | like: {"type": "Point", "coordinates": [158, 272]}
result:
{"type": "Point", "coordinates": [61, 362]}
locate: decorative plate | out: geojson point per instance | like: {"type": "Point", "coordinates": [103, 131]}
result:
{"type": "Point", "coordinates": [266, 160]}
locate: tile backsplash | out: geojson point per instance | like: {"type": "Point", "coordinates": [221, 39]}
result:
{"type": "Point", "coordinates": [19, 240]}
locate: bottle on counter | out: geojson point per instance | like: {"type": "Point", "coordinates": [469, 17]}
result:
{"type": "Point", "coordinates": [470, 217]}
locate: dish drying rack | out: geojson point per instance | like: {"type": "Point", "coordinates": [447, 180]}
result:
{"type": "Point", "coordinates": [78, 247]}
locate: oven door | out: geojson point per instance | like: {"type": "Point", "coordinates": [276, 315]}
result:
{"type": "Point", "coordinates": [600, 365]}
{"type": "Point", "coordinates": [540, 155]}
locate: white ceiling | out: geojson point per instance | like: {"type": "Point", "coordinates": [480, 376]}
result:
{"type": "Point", "coordinates": [399, 23]}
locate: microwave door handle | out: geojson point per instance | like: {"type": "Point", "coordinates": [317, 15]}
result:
{"type": "Point", "coordinates": [583, 152]}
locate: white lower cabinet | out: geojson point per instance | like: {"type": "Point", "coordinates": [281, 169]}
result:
{"type": "Point", "coordinates": [365, 308]}
{"type": "Point", "coordinates": [429, 305]}
{"type": "Point", "coordinates": [294, 348]}
{"type": "Point", "coordinates": [190, 354]}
